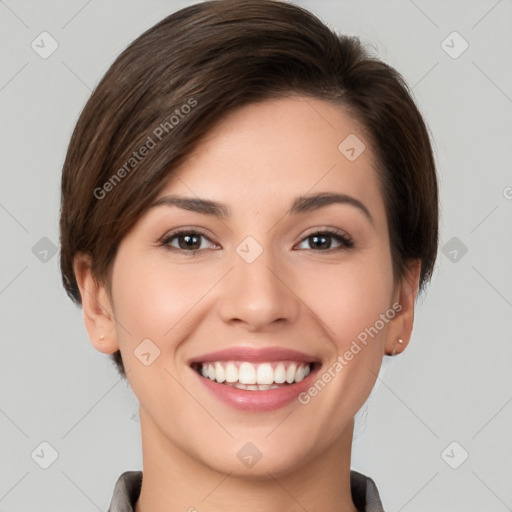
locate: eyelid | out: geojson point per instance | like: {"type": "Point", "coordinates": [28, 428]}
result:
{"type": "Point", "coordinates": [345, 240]}
{"type": "Point", "coordinates": [327, 230]}
{"type": "Point", "coordinates": [169, 235]}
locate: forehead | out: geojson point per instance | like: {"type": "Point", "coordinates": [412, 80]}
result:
{"type": "Point", "coordinates": [277, 149]}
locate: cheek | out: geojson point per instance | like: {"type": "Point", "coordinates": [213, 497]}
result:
{"type": "Point", "coordinates": [349, 302]}
{"type": "Point", "coordinates": [155, 299]}
{"type": "Point", "coordinates": [350, 298]}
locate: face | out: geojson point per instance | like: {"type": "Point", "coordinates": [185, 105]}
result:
{"type": "Point", "coordinates": [255, 299]}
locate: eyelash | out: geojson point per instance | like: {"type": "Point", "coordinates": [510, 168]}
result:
{"type": "Point", "coordinates": [344, 241]}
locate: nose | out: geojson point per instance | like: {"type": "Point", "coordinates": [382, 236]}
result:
{"type": "Point", "coordinates": [260, 295]}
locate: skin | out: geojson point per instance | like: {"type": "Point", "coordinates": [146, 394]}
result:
{"type": "Point", "coordinates": [256, 161]}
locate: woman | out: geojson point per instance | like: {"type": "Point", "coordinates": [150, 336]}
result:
{"type": "Point", "coordinates": [249, 209]}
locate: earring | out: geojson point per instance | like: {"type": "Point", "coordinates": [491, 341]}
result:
{"type": "Point", "coordinates": [400, 341]}
{"type": "Point", "coordinates": [102, 338]}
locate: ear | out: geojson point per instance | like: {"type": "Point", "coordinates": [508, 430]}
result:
{"type": "Point", "coordinates": [400, 327]}
{"type": "Point", "coordinates": [98, 313]}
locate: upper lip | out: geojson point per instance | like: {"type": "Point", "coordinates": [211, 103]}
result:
{"type": "Point", "coordinates": [257, 355]}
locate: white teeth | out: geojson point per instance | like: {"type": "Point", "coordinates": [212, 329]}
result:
{"type": "Point", "coordinates": [253, 387]}
{"type": "Point", "coordinates": [279, 374]}
{"type": "Point", "coordinates": [290, 373]}
{"type": "Point", "coordinates": [265, 374]}
{"type": "Point", "coordinates": [231, 373]}
{"type": "Point", "coordinates": [220, 375]}
{"type": "Point", "coordinates": [247, 374]}
{"type": "Point", "coordinates": [262, 376]}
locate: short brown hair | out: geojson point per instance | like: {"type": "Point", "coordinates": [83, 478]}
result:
{"type": "Point", "coordinates": [197, 65]}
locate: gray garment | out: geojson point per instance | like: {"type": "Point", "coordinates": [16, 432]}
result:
{"type": "Point", "coordinates": [127, 490]}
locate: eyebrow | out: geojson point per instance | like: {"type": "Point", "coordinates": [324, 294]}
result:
{"type": "Point", "coordinates": [302, 204]}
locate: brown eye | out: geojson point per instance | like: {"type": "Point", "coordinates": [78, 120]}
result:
{"type": "Point", "coordinates": [326, 240]}
{"type": "Point", "coordinates": [189, 241]}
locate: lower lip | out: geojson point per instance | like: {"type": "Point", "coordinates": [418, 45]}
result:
{"type": "Point", "coordinates": [258, 401]}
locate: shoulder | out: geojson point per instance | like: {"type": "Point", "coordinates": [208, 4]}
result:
{"type": "Point", "coordinates": [365, 493]}
{"type": "Point", "coordinates": [126, 492]}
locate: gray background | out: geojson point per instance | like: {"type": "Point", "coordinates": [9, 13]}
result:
{"type": "Point", "coordinates": [454, 383]}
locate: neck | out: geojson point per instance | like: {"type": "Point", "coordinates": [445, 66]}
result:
{"type": "Point", "coordinates": [175, 481]}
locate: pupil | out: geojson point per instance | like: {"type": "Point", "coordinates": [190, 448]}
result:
{"type": "Point", "coordinates": [189, 242]}
{"type": "Point", "coordinates": [321, 241]}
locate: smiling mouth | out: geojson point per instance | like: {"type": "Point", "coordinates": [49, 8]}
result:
{"type": "Point", "coordinates": [254, 376]}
